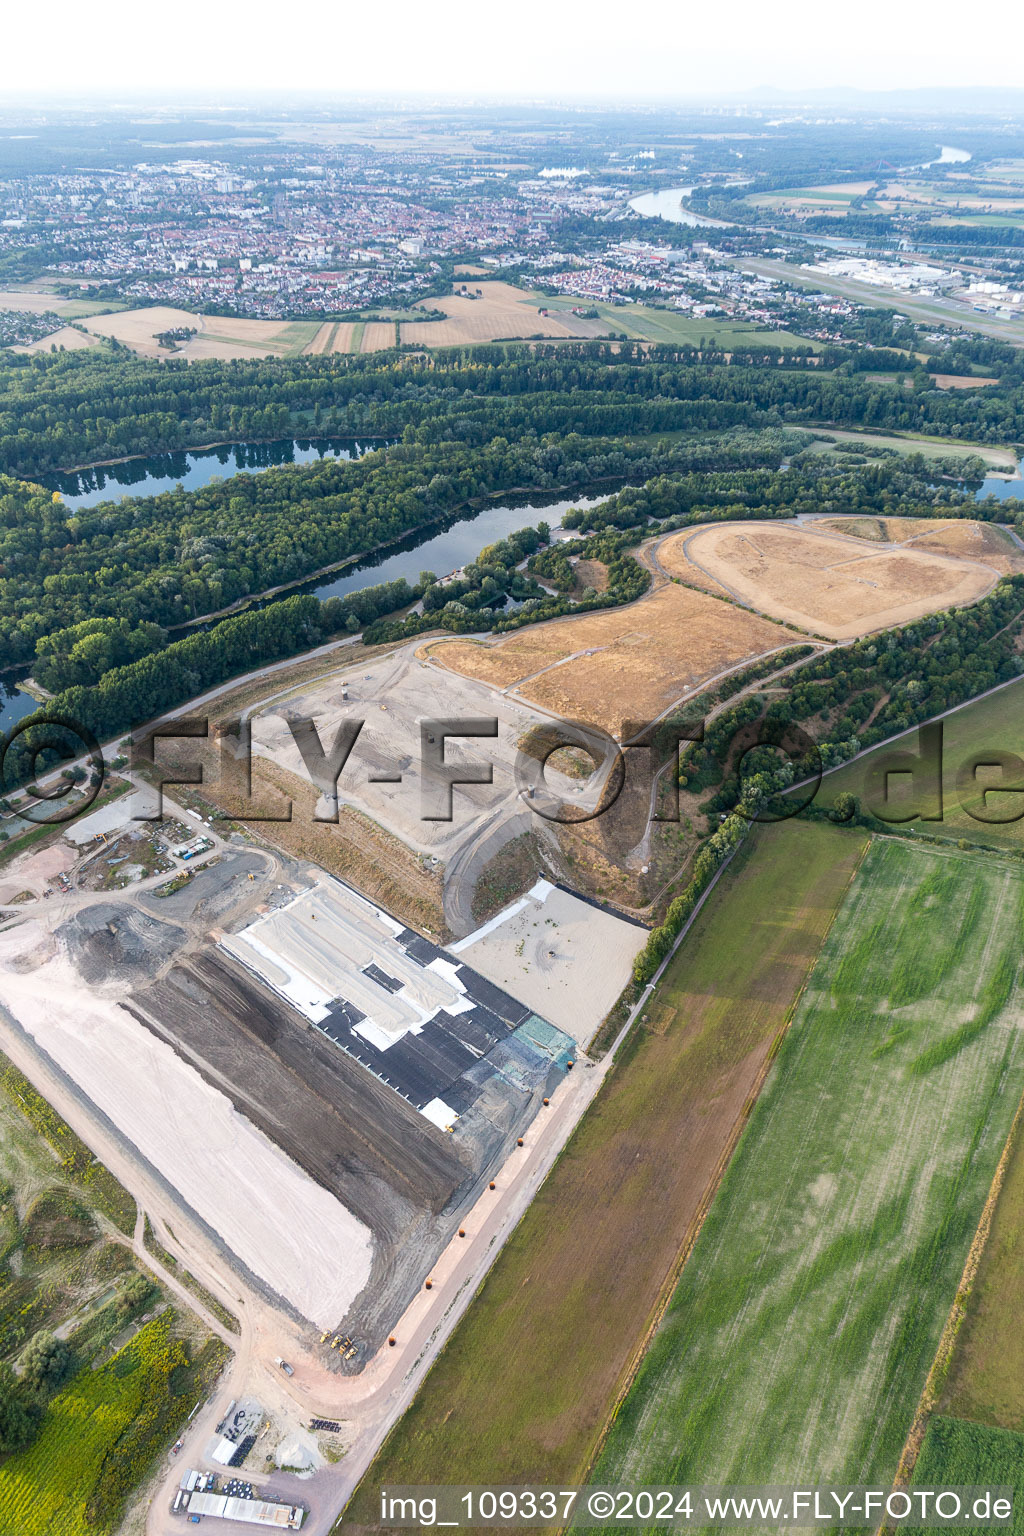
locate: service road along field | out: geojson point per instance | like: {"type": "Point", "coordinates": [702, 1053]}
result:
{"type": "Point", "coordinates": [802, 1329]}
{"type": "Point", "coordinates": [827, 582]}
{"type": "Point", "coordinates": [625, 664]}
{"type": "Point", "coordinates": [524, 1386]}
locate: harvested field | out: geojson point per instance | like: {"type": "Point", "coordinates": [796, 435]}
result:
{"type": "Point", "coordinates": [333, 336]}
{"type": "Point", "coordinates": [378, 335]}
{"type": "Point", "coordinates": [622, 664]}
{"type": "Point", "coordinates": [217, 336]}
{"type": "Point", "coordinates": [500, 313]}
{"type": "Point", "coordinates": [802, 1329]}
{"type": "Point", "coordinates": [35, 302]}
{"type": "Point", "coordinates": [824, 582]}
{"type": "Point", "coordinates": [961, 381]}
{"type": "Point", "coordinates": [567, 1302]}
{"type": "Point", "coordinates": [67, 338]}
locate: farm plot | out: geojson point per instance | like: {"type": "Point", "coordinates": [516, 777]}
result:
{"type": "Point", "coordinates": [501, 312]}
{"type": "Point", "coordinates": [825, 582]}
{"type": "Point", "coordinates": [958, 1453]}
{"type": "Point", "coordinates": [800, 1334]}
{"type": "Point", "coordinates": [623, 664]}
{"type": "Point", "coordinates": [217, 336]}
{"type": "Point", "coordinates": [985, 1381]}
{"type": "Point", "coordinates": [987, 726]}
{"type": "Point", "coordinates": [567, 1302]}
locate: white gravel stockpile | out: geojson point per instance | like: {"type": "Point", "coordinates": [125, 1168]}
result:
{"type": "Point", "coordinates": [288, 1230]}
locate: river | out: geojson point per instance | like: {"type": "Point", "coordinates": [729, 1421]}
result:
{"type": "Point", "coordinates": [668, 204]}
{"type": "Point", "coordinates": [164, 471]}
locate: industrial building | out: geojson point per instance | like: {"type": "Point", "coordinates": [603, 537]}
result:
{"type": "Point", "coordinates": [219, 1506]}
{"type": "Point", "coordinates": [411, 1012]}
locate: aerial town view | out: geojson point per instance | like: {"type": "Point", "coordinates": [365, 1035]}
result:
{"type": "Point", "coordinates": [511, 773]}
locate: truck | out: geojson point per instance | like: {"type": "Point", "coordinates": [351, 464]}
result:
{"type": "Point", "coordinates": [288, 1370]}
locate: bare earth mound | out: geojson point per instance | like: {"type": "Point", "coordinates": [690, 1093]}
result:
{"type": "Point", "coordinates": [623, 664]}
{"type": "Point", "coordinates": [985, 542]}
{"type": "Point", "coordinates": [825, 581]}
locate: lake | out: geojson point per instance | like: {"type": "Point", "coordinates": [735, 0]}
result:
{"type": "Point", "coordinates": [14, 704]}
{"type": "Point", "coordinates": [164, 471]}
{"type": "Point", "coordinates": [452, 546]}
{"type": "Point", "coordinates": [993, 485]}
{"type": "Point", "coordinates": [459, 541]}
{"type": "Point", "coordinates": [668, 205]}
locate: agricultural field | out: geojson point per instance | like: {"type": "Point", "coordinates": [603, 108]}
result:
{"type": "Point", "coordinates": [103, 1432]}
{"type": "Point", "coordinates": [987, 726]}
{"type": "Point", "coordinates": [501, 313]}
{"type": "Point", "coordinates": [824, 581]}
{"type": "Point", "coordinates": [332, 336]}
{"type": "Point", "coordinates": [985, 1381]}
{"type": "Point", "coordinates": [804, 1325]}
{"type": "Point", "coordinates": [377, 336]}
{"type": "Point", "coordinates": [35, 302]}
{"type": "Point", "coordinates": [504, 313]}
{"type": "Point", "coordinates": [563, 1311]}
{"type": "Point", "coordinates": [957, 1453]}
{"type": "Point", "coordinates": [623, 664]}
{"type": "Point", "coordinates": [217, 335]}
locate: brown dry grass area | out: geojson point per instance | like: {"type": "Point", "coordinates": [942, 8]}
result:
{"type": "Point", "coordinates": [951, 536]}
{"type": "Point", "coordinates": [503, 311]}
{"type": "Point", "coordinates": [590, 573]}
{"type": "Point", "coordinates": [356, 849]}
{"type": "Point", "coordinates": [218, 336]}
{"type": "Point", "coordinates": [986, 1378]}
{"type": "Point", "coordinates": [67, 338]}
{"type": "Point", "coordinates": [825, 582]}
{"type": "Point", "coordinates": [958, 381]}
{"type": "Point", "coordinates": [625, 664]}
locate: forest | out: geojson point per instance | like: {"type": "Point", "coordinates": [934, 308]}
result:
{"type": "Point", "coordinates": [62, 410]}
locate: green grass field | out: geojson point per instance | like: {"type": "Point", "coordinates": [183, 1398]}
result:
{"type": "Point", "coordinates": [930, 447]}
{"type": "Point", "coordinates": [645, 324]}
{"type": "Point", "coordinates": [804, 1325]}
{"type": "Point", "coordinates": [992, 724]}
{"type": "Point", "coordinates": [957, 1453]}
{"type": "Point", "coordinates": [524, 1387]}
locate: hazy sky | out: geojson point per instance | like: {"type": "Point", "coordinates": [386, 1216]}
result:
{"type": "Point", "coordinates": [551, 48]}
